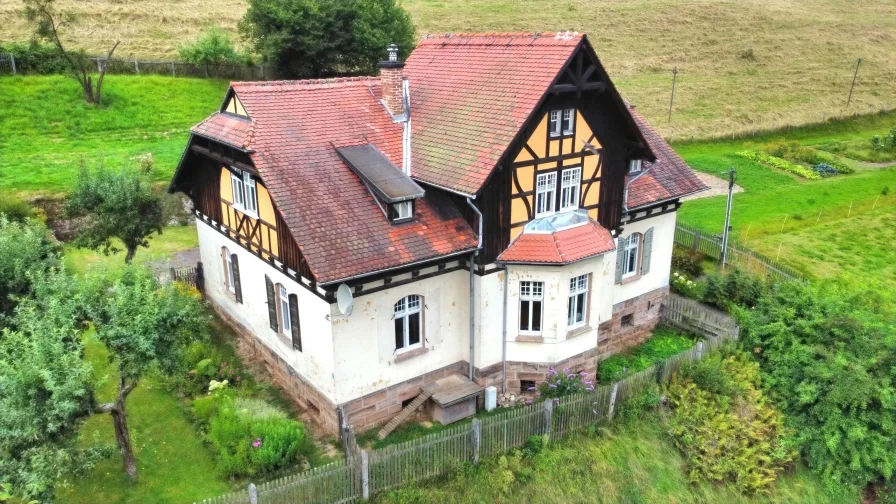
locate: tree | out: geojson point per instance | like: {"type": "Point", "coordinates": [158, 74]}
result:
{"type": "Point", "coordinates": [145, 326]}
{"type": "Point", "coordinates": [115, 204]}
{"type": "Point", "coordinates": [46, 393]}
{"type": "Point", "coordinates": [213, 48]}
{"type": "Point", "coordinates": [48, 23]}
{"type": "Point", "coordinates": [322, 38]}
{"type": "Point", "coordinates": [27, 252]}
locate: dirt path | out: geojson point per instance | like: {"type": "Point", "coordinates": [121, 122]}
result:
{"type": "Point", "coordinates": [717, 186]}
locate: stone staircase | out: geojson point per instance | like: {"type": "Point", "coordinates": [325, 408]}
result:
{"type": "Point", "coordinates": [405, 413]}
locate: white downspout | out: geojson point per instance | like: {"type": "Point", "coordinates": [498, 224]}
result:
{"type": "Point", "coordinates": [504, 336]}
{"type": "Point", "coordinates": [472, 289]}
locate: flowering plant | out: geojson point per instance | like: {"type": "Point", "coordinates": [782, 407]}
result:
{"type": "Point", "coordinates": [216, 385]}
{"type": "Point", "coordinates": [563, 383]}
{"type": "Point", "coordinates": [682, 285]}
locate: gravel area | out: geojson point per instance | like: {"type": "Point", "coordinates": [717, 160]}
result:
{"type": "Point", "coordinates": [717, 186]}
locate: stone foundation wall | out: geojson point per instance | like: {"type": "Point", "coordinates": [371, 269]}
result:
{"type": "Point", "coordinates": [250, 349]}
{"type": "Point", "coordinates": [379, 407]}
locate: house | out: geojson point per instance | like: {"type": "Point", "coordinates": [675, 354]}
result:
{"type": "Point", "coordinates": [487, 209]}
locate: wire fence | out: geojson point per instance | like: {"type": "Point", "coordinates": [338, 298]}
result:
{"type": "Point", "coordinates": [738, 255]}
{"type": "Point", "coordinates": [364, 473]}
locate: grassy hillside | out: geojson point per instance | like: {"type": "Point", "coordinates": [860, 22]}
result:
{"type": "Point", "coordinates": [742, 64]}
{"type": "Point", "coordinates": [630, 464]}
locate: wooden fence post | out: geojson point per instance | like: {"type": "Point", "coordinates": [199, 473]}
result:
{"type": "Point", "coordinates": [12, 61]}
{"type": "Point", "coordinates": [696, 240]}
{"type": "Point", "coordinates": [477, 439]}
{"type": "Point", "coordinates": [613, 392]}
{"type": "Point", "coordinates": [365, 476]}
{"type": "Point", "coordinates": [253, 494]}
{"type": "Point", "coordinates": [172, 69]}
{"type": "Point", "coordinates": [699, 350]}
{"type": "Point", "coordinates": [548, 414]}
{"type": "Point", "coordinates": [136, 66]}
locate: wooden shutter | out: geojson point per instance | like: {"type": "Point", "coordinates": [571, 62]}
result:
{"type": "Point", "coordinates": [645, 251]}
{"type": "Point", "coordinates": [237, 286]}
{"type": "Point", "coordinates": [294, 322]}
{"type": "Point", "coordinates": [272, 304]}
{"type": "Point", "coordinates": [620, 258]}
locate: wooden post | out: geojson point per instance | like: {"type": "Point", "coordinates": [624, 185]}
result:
{"type": "Point", "coordinates": [699, 350]}
{"type": "Point", "coordinates": [613, 392]}
{"type": "Point", "coordinates": [136, 66]}
{"type": "Point", "coordinates": [696, 240]}
{"type": "Point", "coordinates": [365, 476]}
{"type": "Point", "coordinates": [172, 69]}
{"type": "Point", "coordinates": [12, 61]}
{"type": "Point", "coordinates": [548, 414]}
{"type": "Point", "coordinates": [253, 494]}
{"type": "Point", "coordinates": [477, 437]}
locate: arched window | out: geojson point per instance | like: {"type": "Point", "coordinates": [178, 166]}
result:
{"type": "Point", "coordinates": [409, 322]}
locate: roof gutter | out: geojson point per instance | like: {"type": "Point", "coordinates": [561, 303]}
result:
{"type": "Point", "coordinates": [392, 268]}
{"type": "Point", "coordinates": [473, 288]}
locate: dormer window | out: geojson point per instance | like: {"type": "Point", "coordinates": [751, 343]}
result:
{"type": "Point", "coordinates": [245, 194]}
{"type": "Point", "coordinates": [634, 166]}
{"type": "Point", "coordinates": [562, 122]}
{"type": "Point", "coordinates": [402, 211]}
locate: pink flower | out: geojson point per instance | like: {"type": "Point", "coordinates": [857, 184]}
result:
{"type": "Point", "coordinates": [257, 443]}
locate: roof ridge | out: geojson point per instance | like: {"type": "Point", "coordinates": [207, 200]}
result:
{"type": "Point", "coordinates": [307, 82]}
{"type": "Point", "coordinates": [556, 35]}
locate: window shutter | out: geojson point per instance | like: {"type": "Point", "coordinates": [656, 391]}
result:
{"type": "Point", "coordinates": [237, 287]}
{"type": "Point", "coordinates": [620, 258]}
{"type": "Point", "coordinates": [272, 304]}
{"type": "Point", "coordinates": [294, 322]}
{"type": "Point", "coordinates": [645, 251]}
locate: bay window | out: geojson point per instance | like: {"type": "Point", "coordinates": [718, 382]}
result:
{"type": "Point", "coordinates": [578, 300]}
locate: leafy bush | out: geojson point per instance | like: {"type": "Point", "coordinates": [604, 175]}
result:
{"type": "Point", "coordinates": [680, 284]}
{"type": "Point", "coordinates": [638, 407]}
{"type": "Point", "coordinates": [779, 163]}
{"type": "Point", "coordinates": [688, 262]}
{"type": "Point", "coordinates": [564, 383]}
{"type": "Point", "coordinates": [14, 209]}
{"type": "Point", "coordinates": [36, 58]}
{"type": "Point", "coordinates": [725, 426]}
{"type": "Point", "coordinates": [27, 252]}
{"type": "Point", "coordinates": [203, 363]}
{"type": "Point", "coordinates": [886, 142]}
{"type": "Point", "coordinates": [827, 355]}
{"type": "Point", "coordinates": [214, 48]}
{"type": "Point", "coordinates": [733, 289]}
{"type": "Point", "coordinates": [664, 343]}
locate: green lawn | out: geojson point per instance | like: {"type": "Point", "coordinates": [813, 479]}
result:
{"type": "Point", "coordinates": [820, 226]}
{"type": "Point", "coordinates": [173, 463]}
{"type": "Point", "coordinates": [634, 463]}
{"type": "Point", "coordinates": [47, 130]}
{"type": "Point", "coordinates": [172, 240]}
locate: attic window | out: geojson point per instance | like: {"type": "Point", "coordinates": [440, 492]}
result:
{"type": "Point", "coordinates": [245, 194]}
{"type": "Point", "coordinates": [634, 166]}
{"type": "Point", "coordinates": [562, 122]}
{"type": "Point", "coordinates": [401, 211]}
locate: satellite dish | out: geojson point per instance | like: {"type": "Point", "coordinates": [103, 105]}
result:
{"type": "Point", "coordinates": [344, 299]}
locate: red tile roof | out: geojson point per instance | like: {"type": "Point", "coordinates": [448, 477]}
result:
{"type": "Point", "coordinates": [336, 222]}
{"type": "Point", "coordinates": [560, 247]}
{"type": "Point", "coordinates": [227, 129]}
{"type": "Point", "coordinates": [667, 178]}
{"type": "Point", "coordinates": [471, 94]}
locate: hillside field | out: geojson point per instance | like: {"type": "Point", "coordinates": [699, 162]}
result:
{"type": "Point", "coordinates": [743, 64]}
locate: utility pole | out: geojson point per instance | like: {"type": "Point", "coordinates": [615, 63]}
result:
{"type": "Point", "coordinates": [732, 174]}
{"type": "Point", "coordinates": [856, 74]}
{"type": "Point", "coordinates": [672, 97]}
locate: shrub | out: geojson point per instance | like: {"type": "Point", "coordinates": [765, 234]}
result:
{"type": "Point", "coordinates": [825, 170]}
{"type": "Point", "coordinates": [639, 406]}
{"type": "Point", "coordinates": [734, 289]}
{"type": "Point", "coordinates": [664, 343]}
{"type": "Point", "coordinates": [203, 363]}
{"type": "Point", "coordinates": [564, 383]}
{"type": "Point", "coordinates": [680, 284]}
{"type": "Point", "coordinates": [827, 355]}
{"type": "Point", "coordinates": [36, 58]}
{"type": "Point", "coordinates": [886, 142]}
{"type": "Point", "coordinates": [688, 262]}
{"type": "Point", "coordinates": [14, 209]}
{"type": "Point", "coordinates": [779, 163]}
{"type": "Point", "coordinates": [725, 426]}
{"type": "Point", "coordinates": [213, 48]}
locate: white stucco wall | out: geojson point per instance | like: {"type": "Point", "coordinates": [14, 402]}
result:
{"type": "Point", "coordinates": [661, 257]}
{"type": "Point", "coordinates": [315, 362]}
{"type": "Point", "coordinates": [365, 356]}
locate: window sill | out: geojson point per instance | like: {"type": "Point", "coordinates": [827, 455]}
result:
{"type": "Point", "coordinates": [247, 213]}
{"type": "Point", "coordinates": [630, 279]}
{"type": "Point", "coordinates": [410, 354]}
{"type": "Point", "coordinates": [530, 338]}
{"type": "Point", "coordinates": [578, 331]}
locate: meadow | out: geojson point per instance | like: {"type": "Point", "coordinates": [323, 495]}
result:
{"type": "Point", "coordinates": [742, 65]}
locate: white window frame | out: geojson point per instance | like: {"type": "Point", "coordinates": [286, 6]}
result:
{"type": "Point", "coordinates": [531, 292]}
{"type": "Point", "coordinates": [578, 295]}
{"type": "Point", "coordinates": [228, 271]}
{"type": "Point", "coordinates": [556, 123]}
{"type": "Point", "coordinates": [569, 120]}
{"type": "Point", "coordinates": [635, 165]}
{"type": "Point", "coordinates": [570, 187]}
{"type": "Point", "coordinates": [630, 259]}
{"type": "Point", "coordinates": [404, 210]}
{"type": "Point", "coordinates": [545, 185]}
{"type": "Point", "coordinates": [404, 308]}
{"type": "Point", "coordinates": [285, 316]}
{"type": "Point", "coordinates": [245, 193]}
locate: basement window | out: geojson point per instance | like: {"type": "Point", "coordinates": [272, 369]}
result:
{"type": "Point", "coordinates": [628, 320]}
{"type": "Point", "coordinates": [526, 385]}
{"type": "Point", "coordinates": [401, 211]}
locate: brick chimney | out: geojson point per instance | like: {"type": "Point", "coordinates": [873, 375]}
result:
{"type": "Point", "coordinates": [392, 82]}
